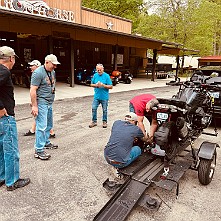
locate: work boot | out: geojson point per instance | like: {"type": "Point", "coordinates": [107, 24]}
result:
{"type": "Point", "coordinates": [93, 124]}
{"type": "Point", "coordinates": [18, 184]}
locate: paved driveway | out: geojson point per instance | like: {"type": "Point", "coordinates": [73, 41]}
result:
{"type": "Point", "coordinates": [69, 185]}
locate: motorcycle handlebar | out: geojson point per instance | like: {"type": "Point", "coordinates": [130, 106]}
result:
{"type": "Point", "coordinates": [197, 84]}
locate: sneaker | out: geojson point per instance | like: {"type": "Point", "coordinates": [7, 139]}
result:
{"type": "Point", "coordinates": [42, 155]}
{"type": "Point", "coordinates": [93, 124]}
{"type": "Point", "coordinates": [104, 124]}
{"type": "Point", "coordinates": [157, 151]}
{"type": "Point", "coordinates": [52, 136]}
{"type": "Point", "coordinates": [29, 133]}
{"type": "Point", "coordinates": [51, 146]}
{"type": "Point", "coordinates": [18, 184]}
{"type": "Point", "coordinates": [117, 174]}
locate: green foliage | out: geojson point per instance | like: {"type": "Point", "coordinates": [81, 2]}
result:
{"type": "Point", "coordinates": [129, 9]}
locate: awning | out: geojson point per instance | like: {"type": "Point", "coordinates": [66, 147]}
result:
{"type": "Point", "coordinates": [93, 34]}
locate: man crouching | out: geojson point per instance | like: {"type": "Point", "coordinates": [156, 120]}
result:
{"type": "Point", "coordinates": [120, 150]}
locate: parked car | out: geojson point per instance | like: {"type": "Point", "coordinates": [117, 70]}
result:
{"type": "Point", "coordinates": [211, 75]}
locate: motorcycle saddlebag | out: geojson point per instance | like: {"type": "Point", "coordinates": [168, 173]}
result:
{"type": "Point", "coordinates": [161, 136]}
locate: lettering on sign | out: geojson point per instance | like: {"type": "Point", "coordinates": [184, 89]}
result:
{"type": "Point", "coordinates": [39, 8]}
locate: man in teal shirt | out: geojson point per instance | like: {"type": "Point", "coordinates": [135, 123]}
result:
{"type": "Point", "coordinates": [42, 94]}
{"type": "Point", "coordinates": [101, 82]}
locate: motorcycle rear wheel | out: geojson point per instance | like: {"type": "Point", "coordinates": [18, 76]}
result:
{"type": "Point", "coordinates": [171, 150]}
{"type": "Point", "coordinates": [128, 81]}
{"type": "Point", "coordinates": [114, 82]}
{"type": "Point", "coordinates": [171, 147]}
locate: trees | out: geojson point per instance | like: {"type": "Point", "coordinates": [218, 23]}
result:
{"type": "Point", "coordinates": [195, 24]}
{"type": "Point", "coordinates": [129, 9]}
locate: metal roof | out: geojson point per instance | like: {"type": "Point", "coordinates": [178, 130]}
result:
{"type": "Point", "coordinates": [210, 58]}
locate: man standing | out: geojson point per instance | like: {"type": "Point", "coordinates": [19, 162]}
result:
{"type": "Point", "coordinates": [33, 66]}
{"type": "Point", "coordinates": [42, 94]}
{"type": "Point", "coordinates": [9, 153]}
{"type": "Point", "coordinates": [120, 150]}
{"type": "Point", "coordinates": [101, 82]}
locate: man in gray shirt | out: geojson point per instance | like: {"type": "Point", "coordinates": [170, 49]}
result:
{"type": "Point", "coordinates": [42, 94]}
{"type": "Point", "coordinates": [120, 150]}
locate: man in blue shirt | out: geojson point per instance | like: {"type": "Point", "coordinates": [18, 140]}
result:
{"type": "Point", "coordinates": [42, 94]}
{"type": "Point", "coordinates": [120, 150]}
{"type": "Point", "coordinates": [101, 82]}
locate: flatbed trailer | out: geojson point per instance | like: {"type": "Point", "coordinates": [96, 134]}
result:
{"type": "Point", "coordinates": [146, 170]}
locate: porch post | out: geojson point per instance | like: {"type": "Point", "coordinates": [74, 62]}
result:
{"type": "Point", "coordinates": [115, 57]}
{"type": "Point", "coordinates": [154, 64]}
{"type": "Point", "coordinates": [72, 64]}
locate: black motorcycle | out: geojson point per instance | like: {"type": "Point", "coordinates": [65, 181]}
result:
{"type": "Point", "coordinates": [181, 120]}
{"type": "Point", "coordinates": [126, 77]}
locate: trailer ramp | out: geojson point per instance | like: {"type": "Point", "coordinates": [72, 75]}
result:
{"type": "Point", "coordinates": [127, 197]}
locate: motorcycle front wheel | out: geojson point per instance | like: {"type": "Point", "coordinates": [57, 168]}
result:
{"type": "Point", "coordinates": [206, 170]}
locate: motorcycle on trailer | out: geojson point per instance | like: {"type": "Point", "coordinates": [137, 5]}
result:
{"type": "Point", "coordinates": [181, 120]}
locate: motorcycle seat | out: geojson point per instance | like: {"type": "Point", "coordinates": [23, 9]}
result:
{"type": "Point", "coordinates": [173, 101]}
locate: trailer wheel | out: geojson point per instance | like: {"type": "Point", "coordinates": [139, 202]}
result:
{"type": "Point", "coordinates": [206, 170]}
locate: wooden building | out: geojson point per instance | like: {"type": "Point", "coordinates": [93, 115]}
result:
{"type": "Point", "coordinates": [78, 36]}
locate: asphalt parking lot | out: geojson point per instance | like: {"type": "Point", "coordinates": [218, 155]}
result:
{"type": "Point", "coordinates": [69, 185]}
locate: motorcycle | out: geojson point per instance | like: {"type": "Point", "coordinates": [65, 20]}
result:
{"type": "Point", "coordinates": [126, 77]}
{"type": "Point", "coordinates": [122, 76]}
{"type": "Point", "coordinates": [83, 76]}
{"type": "Point", "coordinates": [181, 120]}
{"type": "Point", "coordinates": [115, 76]}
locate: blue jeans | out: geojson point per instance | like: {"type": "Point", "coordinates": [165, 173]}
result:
{"type": "Point", "coordinates": [95, 104]}
{"type": "Point", "coordinates": [44, 123]}
{"type": "Point", "coordinates": [134, 154]}
{"type": "Point", "coordinates": [9, 153]}
{"type": "Point", "coordinates": [131, 108]}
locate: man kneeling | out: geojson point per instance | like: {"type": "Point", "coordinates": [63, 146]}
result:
{"type": "Point", "coordinates": [120, 150]}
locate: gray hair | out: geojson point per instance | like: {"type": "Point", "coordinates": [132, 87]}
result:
{"type": "Point", "coordinates": [153, 103]}
{"type": "Point", "coordinates": [100, 65]}
{"type": "Point", "coordinates": [5, 58]}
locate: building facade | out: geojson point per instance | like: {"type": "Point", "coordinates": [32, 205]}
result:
{"type": "Point", "coordinates": [78, 36]}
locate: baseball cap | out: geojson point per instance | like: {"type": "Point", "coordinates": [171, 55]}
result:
{"type": "Point", "coordinates": [35, 62]}
{"type": "Point", "coordinates": [52, 58]}
{"type": "Point", "coordinates": [6, 51]}
{"type": "Point", "coordinates": [131, 116]}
